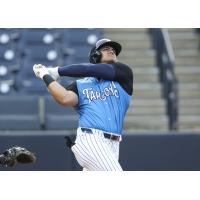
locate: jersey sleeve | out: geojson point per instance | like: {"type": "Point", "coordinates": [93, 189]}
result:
{"type": "Point", "coordinates": [124, 76]}
{"type": "Point", "coordinates": [119, 72]}
{"type": "Point", "coordinates": [100, 70]}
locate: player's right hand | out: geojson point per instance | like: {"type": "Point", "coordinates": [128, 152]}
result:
{"type": "Point", "coordinates": [53, 71]}
{"type": "Point", "coordinates": [40, 70]}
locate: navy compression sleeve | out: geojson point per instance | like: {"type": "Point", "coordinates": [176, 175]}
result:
{"type": "Point", "coordinates": [104, 71]}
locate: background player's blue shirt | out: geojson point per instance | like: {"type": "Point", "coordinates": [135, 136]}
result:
{"type": "Point", "coordinates": [102, 104]}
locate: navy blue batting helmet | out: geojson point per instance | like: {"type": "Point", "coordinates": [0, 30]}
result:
{"type": "Point", "coordinates": [95, 54]}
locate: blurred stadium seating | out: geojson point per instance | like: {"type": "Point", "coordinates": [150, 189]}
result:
{"type": "Point", "coordinates": [59, 118]}
{"type": "Point", "coordinates": [19, 112]}
{"type": "Point", "coordinates": [20, 49]}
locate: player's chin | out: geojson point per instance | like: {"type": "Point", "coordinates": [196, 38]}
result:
{"type": "Point", "coordinates": [111, 60]}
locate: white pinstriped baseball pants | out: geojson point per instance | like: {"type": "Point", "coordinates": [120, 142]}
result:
{"type": "Point", "coordinates": [94, 152]}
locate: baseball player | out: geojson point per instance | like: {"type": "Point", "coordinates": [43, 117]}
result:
{"type": "Point", "coordinates": [101, 100]}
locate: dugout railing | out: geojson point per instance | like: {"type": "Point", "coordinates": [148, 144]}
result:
{"type": "Point", "coordinates": [165, 60]}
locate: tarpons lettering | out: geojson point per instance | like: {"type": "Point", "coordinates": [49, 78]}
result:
{"type": "Point", "coordinates": [111, 90]}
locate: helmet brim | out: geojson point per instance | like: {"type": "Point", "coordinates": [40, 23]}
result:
{"type": "Point", "coordinates": [116, 46]}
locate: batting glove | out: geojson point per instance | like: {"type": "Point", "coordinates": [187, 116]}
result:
{"type": "Point", "coordinates": [40, 70]}
{"type": "Point", "coordinates": [54, 72]}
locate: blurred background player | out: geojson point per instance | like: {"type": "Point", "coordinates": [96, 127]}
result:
{"type": "Point", "coordinates": [101, 99]}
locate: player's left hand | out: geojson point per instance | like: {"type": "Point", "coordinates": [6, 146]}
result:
{"type": "Point", "coordinates": [40, 70]}
{"type": "Point", "coordinates": [54, 72]}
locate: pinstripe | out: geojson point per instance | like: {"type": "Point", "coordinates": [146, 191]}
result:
{"type": "Point", "coordinates": [92, 152]}
{"type": "Point", "coordinates": [82, 158]}
{"type": "Point", "coordinates": [81, 145]}
{"type": "Point", "coordinates": [87, 162]}
{"type": "Point", "coordinates": [96, 153]}
{"type": "Point", "coordinates": [90, 149]}
{"type": "Point", "coordinates": [115, 148]}
{"type": "Point", "coordinates": [115, 159]}
{"type": "Point", "coordinates": [76, 154]}
{"type": "Point", "coordinates": [105, 143]}
{"type": "Point", "coordinates": [114, 154]}
{"type": "Point", "coordinates": [113, 145]}
{"type": "Point", "coordinates": [116, 151]}
{"type": "Point", "coordinates": [103, 152]}
{"type": "Point", "coordinates": [110, 156]}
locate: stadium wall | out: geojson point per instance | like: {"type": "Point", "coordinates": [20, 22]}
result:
{"type": "Point", "coordinates": [138, 152]}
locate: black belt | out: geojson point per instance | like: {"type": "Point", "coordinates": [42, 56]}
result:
{"type": "Point", "coordinates": [106, 135]}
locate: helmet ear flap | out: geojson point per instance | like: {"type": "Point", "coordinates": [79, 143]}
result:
{"type": "Point", "coordinates": [95, 56]}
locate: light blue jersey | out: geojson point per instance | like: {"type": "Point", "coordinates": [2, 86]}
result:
{"type": "Point", "coordinates": [102, 104]}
